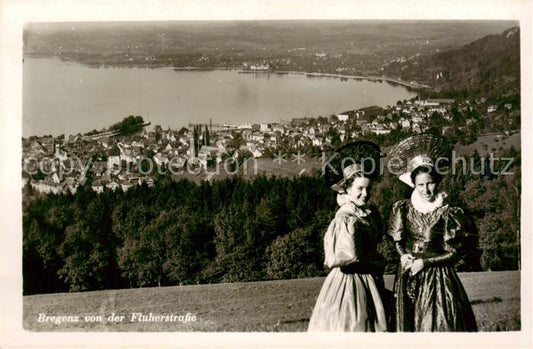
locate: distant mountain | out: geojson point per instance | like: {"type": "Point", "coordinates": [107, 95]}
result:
{"type": "Point", "coordinates": [488, 66]}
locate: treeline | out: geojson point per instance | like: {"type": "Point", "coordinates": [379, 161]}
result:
{"type": "Point", "coordinates": [179, 232]}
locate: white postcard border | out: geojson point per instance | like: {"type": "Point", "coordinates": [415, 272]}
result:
{"type": "Point", "coordinates": [15, 13]}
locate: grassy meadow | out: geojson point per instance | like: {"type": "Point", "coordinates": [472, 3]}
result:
{"type": "Point", "coordinates": [272, 306]}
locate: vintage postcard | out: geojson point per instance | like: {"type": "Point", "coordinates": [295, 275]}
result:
{"type": "Point", "coordinates": [265, 173]}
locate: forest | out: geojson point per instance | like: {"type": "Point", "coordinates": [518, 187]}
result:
{"type": "Point", "coordinates": [266, 228]}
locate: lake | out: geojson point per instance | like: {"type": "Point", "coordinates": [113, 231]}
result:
{"type": "Point", "coordinates": [67, 98]}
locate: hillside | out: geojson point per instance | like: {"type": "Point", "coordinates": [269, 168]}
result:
{"type": "Point", "coordinates": [489, 66]}
{"type": "Point", "coordinates": [282, 305]}
{"type": "Point", "coordinates": [487, 144]}
{"type": "Point", "coordinates": [355, 47]}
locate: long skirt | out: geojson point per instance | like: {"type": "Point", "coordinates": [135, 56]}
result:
{"type": "Point", "coordinates": [349, 303]}
{"type": "Point", "coordinates": [434, 300]}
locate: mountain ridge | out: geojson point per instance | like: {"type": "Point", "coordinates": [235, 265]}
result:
{"type": "Point", "coordinates": [489, 66]}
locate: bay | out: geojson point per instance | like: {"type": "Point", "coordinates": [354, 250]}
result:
{"type": "Point", "coordinates": [67, 98]}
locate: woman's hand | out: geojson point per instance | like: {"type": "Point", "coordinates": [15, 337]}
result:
{"type": "Point", "coordinates": [406, 260]}
{"type": "Point", "coordinates": [417, 266]}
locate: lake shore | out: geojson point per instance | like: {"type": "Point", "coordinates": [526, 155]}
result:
{"type": "Point", "coordinates": [411, 85]}
{"type": "Point", "coordinates": [93, 64]}
{"type": "Point", "coordinates": [92, 97]}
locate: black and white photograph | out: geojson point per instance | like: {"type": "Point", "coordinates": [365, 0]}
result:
{"type": "Point", "coordinates": [265, 171]}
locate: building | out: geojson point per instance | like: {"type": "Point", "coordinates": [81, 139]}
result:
{"type": "Point", "coordinates": [48, 144]}
{"type": "Point", "coordinates": [342, 117]}
{"type": "Point", "coordinates": [278, 128]}
{"type": "Point", "coordinates": [381, 131]}
{"type": "Point", "coordinates": [259, 67]}
{"type": "Point", "coordinates": [161, 159]}
{"type": "Point", "coordinates": [258, 137]}
{"type": "Point", "coordinates": [112, 185]}
{"type": "Point", "coordinates": [113, 157]}
{"type": "Point", "coordinates": [416, 128]}
{"type": "Point", "coordinates": [445, 101]}
{"type": "Point", "coordinates": [47, 187]}
{"type": "Point", "coordinates": [98, 186]}
{"type": "Point", "coordinates": [125, 185]}
{"type": "Point", "coordinates": [148, 180]}
{"type": "Point", "coordinates": [406, 124]}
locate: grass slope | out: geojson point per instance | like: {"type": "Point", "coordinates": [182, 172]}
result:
{"type": "Point", "coordinates": [283, 305]}
{"type": "Point", "coordinates": [487, 144]}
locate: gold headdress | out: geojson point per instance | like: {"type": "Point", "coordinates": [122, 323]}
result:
{"type": "Point", "coordinates": [419, 150]}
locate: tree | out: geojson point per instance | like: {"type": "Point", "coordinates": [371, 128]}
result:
{"type": "Point", "coordinates": [188, 247]}
{"type": "Point", "coordinates": [235, 252]}
{"type": "Point", "coordinates": [436, 119]}
{"type": "Point", "coordinates": [335, 137]}
{"type": "Point", "coordinates": [294, 255]}
{"type": "Point", "coordinates": [457, 116]}
{"type": "Point", "coordinates": [88, 249]}
{"type": "Point", "coordinates": [128, 125]}
{"type": "Point", "coordinates": [129, 223]}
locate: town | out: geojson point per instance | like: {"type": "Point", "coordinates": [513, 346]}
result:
{"type": "Point", "coordinates": [63, 163]}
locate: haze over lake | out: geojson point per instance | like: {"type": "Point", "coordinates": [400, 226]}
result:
{"type": "Point", "coordinates": [67, 98]}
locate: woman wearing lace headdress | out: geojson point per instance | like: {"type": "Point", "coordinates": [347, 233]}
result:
{"type": "Point", "coordinates": [429, 236]}
{"type": "Point", "coordinates": [351, 297]}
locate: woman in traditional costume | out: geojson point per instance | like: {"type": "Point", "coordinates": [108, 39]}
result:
{"type": "Point", "coordinates": [429, 236]}
{"type": "Point", "coordinates": [351, 296]}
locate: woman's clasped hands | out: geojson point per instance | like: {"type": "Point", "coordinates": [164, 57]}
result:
{"type": "Point", "coordinates": [411, 263]}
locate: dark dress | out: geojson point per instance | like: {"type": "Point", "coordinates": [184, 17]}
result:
{"type": "Point", "coordinates": [434, 299]}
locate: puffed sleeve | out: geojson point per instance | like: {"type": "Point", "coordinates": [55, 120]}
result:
{"type": "Point", "coordinates": [341, 245]}
{"type": "Point", "coordinates": [396, 225]}
{"type": "Point", "coordinates": [454, 233]}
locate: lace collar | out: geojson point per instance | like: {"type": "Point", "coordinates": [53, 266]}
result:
{"type": "Point", "coordinates": [346, 205]}
{"type": "Point", "coordinates": [425, 207]}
